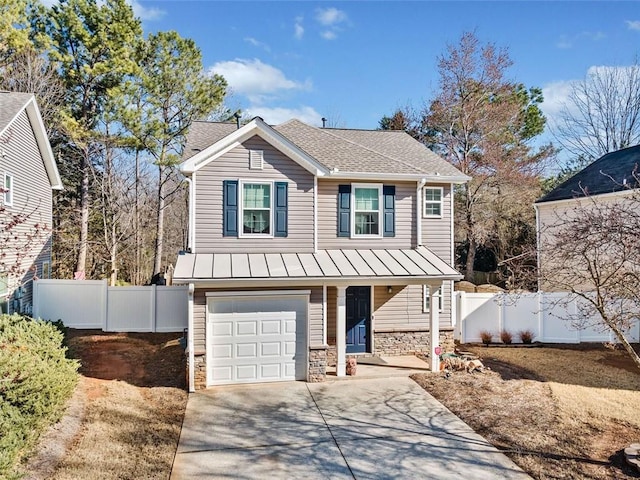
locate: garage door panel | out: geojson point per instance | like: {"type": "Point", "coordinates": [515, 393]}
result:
{"type": "Point", "coordinates": [257, 346]}
{"type": "Point", "coordinates": [270, 349]}
{"type": "Point", "coordinates": [247, 350]}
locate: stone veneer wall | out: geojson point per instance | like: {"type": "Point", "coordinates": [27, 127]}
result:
{"type": "Point", "coordinates": [332, 356]}
{"type": "Point", "coordinates": [317, 364]}
{"type": "Point", "coordinates": [409, 342]}
{"type": "Point", "coordinates": [200, 380]}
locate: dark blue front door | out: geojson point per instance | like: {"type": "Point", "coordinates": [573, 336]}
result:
{"type": "Point", "coordinates": [358, 319]}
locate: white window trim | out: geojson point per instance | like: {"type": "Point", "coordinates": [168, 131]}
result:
{"type": "Point", "coordinates": [241, 233]}
{"type": "Point", "coordinates": [4, 278]}
{"type": "Point", "coordinates": [10, 192]}
{"type": "Point", "coordinates": [432, 202]}
{"type": "Point", "coordinates": [353, 209]}
{"type": "Point", "coordinates": [425, 296]}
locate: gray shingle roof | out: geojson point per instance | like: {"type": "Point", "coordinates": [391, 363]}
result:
{"type": "Point", "coordinates": [348, 151]}
{"type": "Point", "coordinates": [610, 173]}
{"type": "Point", "coordinates": [10, 104]}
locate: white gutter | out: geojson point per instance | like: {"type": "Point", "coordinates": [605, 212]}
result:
{"type": "Point", "coordinates": [457, 179]}
{"type": "Point", "coordinates": [190, 340]}
{"type": "Point", "coordinates": [419, 187]}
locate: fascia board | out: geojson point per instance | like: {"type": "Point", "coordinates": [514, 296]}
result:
{"type": "Point", "coordinates": [457, 179]}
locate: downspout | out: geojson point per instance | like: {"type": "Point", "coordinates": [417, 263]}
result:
{"type": "Point", "coordinates": [315, 214]}
{"type": "Point", "coordinates": [421, 184]}
{"type": "Point", "coordinates": [190, 340]}
{"type": "Point", "coordinates": [192, 207]}
{"type": "Point", "coordinates": [535, 207]}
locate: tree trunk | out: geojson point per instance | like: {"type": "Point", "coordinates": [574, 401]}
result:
{"type": "Point", "coordinates": [625, 343]}
{"type": "Point", "coordinates": [84, 217]}
{"type": "Point", "coordinates": [471, 258]}
{"type": "Point", "coordinates": [157, 262]}
{"type": "Point", "coordinates": [471, 241]}
{"type": "Point", "coordinates": [137, 268]}
{"type": "Point", "coordinates": [114, 255]}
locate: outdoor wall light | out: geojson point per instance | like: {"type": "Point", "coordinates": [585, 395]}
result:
{"type": "Point", "coordinates": [389, 289]}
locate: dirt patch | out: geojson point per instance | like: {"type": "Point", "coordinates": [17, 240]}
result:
{"type": "Point", "coordinates": [131, 397]}
{"type": "Point", "coordinates": [562, 413]}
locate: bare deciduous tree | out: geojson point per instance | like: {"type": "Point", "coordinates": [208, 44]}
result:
{"type": "Point", "coordinates": [592, 250]}
{"type": "Point", "coordinates": [602, 113]}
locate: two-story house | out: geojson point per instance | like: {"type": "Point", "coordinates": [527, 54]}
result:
{"type": "Point", "coordinates": [308, 245]}
{"type": "Point", "coordinates": [28, 175]}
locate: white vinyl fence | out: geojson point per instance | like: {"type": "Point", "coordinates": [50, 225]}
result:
{"type": "Point", "coordinates": [545, 314]}
{"type": "Point", "coordinates": [93, 304]}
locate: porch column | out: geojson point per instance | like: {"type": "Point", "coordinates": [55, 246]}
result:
{"type": "Point", "coordinates": [434, 326]}
{"type": "Point", "coordinates": [341, 332]}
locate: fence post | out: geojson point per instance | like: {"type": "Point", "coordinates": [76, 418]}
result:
{"type": "Point", "coordinates": [154, 301]}
{"type": "Point", "coordinates": [461, 313]}
{"type": "Point", "coordinates": [500, 312]}
{"type": "Point", "coordinates": [105, 305]}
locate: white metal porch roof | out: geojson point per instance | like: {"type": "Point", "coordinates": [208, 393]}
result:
{"type": "Point", "coordinates": [385, 265]}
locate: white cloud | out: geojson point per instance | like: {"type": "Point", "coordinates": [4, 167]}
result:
{"type": "Point", "coordinates": [257, 43]}
{"type": "Point", "coordinates": [277, 115]}
{"type": "Point", "coordinates": [633, 24]}
{"type": "Point", "coordinates": [555, 96]}
{"type": "Point", "coordinates": [329, 35]}
{"type": "Point", "coordinates": [330, 16]}
{"type": "Point", "coordinates": [255, 79]}
{"type": "Point", "coordinates": [298, 29]}
{"type": "Point", "coordinates": [567, 41]}
{"type": "Point", "coordinates": [146, 13]}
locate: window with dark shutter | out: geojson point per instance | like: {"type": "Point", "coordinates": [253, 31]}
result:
{"type": "Point", "coordinates": [389, 194]}
{"type": "Point", "coordinates": [230, 208]}
{"type": "Point", "coordinates": [281, 207]}
{"type": "Point", "coordinates": [344, 207]}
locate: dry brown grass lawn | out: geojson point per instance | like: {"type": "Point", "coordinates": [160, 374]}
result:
{"type": "Point", "coordinates": [126, 415]}
{"type": "Point", "coordinates": [562, 413]}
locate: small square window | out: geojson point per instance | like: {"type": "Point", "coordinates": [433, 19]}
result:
{"type": "Point", "coordinates": [433, 201]}
{"type": "Point", "coordinates": [426, 304]}
{"type": "Point", "coordinates": [8, 190]}
{"type": "Point", "coordinates": [46, 270]}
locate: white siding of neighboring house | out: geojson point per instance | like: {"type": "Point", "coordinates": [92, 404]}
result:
{"type": "Point", "coordinates": [32, 193]}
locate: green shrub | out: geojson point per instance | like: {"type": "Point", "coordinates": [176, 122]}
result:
{"type": "Point", "coordinates": [36, 380]}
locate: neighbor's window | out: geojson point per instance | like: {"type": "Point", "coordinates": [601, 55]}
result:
{"type": "Point", "coordinates": [433, 201]}
{"type": "Point", "coordinates": [366, 210]}
{"type": "Point", "coordinates": [46, 270]}
{"type": "Point", "coordinates": [256, 208]}
{"type": "Point", "coordinates": [8, 189]}
{"type": "Point", "coordinates": [427, 303]}
{"type": "Point", "coordinates": [4, 293]}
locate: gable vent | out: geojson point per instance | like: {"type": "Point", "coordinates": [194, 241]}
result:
{"type": "Point", "coordinates": [256, 160]}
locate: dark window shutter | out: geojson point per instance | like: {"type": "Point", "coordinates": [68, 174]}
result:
{"type": "Point", "coordinates": [281, 206]}
{"type": "Point", "coordinates": [344, 207]}
{"type": "Point", "coordinates": [230, 208]}
{"type": "Point", "coordinates": [389, 195]}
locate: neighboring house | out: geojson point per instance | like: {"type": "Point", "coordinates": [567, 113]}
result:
{"type": "Point", "coordinates": [308, 245]}
{"type": "Point", "coordinates": [609, 179]}
{"type": "Point", "coordinates": [28, 175]}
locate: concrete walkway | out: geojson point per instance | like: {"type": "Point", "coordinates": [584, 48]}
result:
{"type": "Point", "coordinates": [383, 428]}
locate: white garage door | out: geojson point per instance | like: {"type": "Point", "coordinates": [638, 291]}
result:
{"type": "Point", "coordinates": [256, 339]}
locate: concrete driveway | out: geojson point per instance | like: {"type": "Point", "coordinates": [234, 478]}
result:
{"type": "Point", "coordinates": [387, 428]}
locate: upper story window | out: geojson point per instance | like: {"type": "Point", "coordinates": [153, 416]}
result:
{"type": "Point", "coordinates": [4, 293]}
{"type": "Point", "coordinates": [433, 202]}
{"type": "Point", "coordinates": [367, 202]}
{"type": "Point", "coordinates": [46, 270]}
{"type": "Point", "coordinates": [256, 208]}
{"type": "Point", "coordinates": [366, 210]}
{"type": "Point", "coordinates": [259, 208]}
{"type": "Point", "coordinates": [426, 306]}
{"type": "Point", "coordinates": [8, 190]}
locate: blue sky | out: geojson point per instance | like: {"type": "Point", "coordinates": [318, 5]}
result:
{"type": "Point", "coordinates": [354, 62]}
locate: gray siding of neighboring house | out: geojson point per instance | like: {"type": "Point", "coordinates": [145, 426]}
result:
{"type": "Point", "coordinates": [32, 193]}
{"type": "Point", "coordinates": [315, 323]}
{"type": "Point", "coordinates": [234, 165]}
{"type": "Point", "coordinates": [405, 231]}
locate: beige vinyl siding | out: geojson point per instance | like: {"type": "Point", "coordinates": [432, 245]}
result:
{"type": "Point", "coordinates": [403, 308]}
{"type": "Point", "coordinates": [315, 325]}
{"type": "Point", "coordinates": [328, 218]}
{"type": "Point", "coordinates": [436, 232]}
{"type": "Point", "coordinates": [234, 165]}
{"type": "Point", "coordinates": [31, 193]}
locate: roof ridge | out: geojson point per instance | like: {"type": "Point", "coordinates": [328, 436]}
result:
{"type": "Point", "coordinates": [406, 164]}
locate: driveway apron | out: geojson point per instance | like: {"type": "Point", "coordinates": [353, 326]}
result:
{"type": "Point", "coordinates": [386, 428]}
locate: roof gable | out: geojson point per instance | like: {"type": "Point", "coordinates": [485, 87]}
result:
{"type": "Point", "coordinates": [256, 127]}
{"type": "Point", "coordinates": [613, 172]}
{"type": "Point", "coordinates": [11, 105]}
